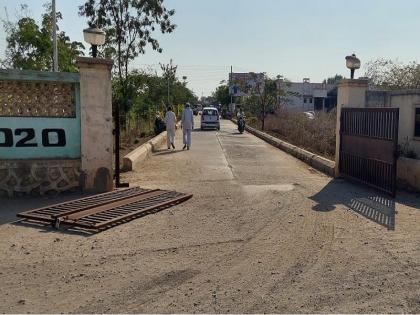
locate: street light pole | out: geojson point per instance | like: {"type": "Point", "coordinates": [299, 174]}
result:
{"type": "Point", "coordinates": [54, 26]}
{"type": "Point", "coordinates": [230, 84]}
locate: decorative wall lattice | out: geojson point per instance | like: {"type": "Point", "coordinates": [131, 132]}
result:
{"type": "Point", "coordinates": [37, 99]}
{"type": "Point", "coordinates": [39, 177]}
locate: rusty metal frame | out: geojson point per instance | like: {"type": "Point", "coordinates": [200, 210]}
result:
{"type": "Point", "coordinates": [49, 213]}
{"type": "Point", "coordinates": [102, 211]}
{"type": "Point", "coordinates": [107, 219]}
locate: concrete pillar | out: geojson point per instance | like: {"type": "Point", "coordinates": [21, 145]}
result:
{"type": "Point", "coordinates": [96, 123]}
{"type": "Point", "coordinates": [350, 93]}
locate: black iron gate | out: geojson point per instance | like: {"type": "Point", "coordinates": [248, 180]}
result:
{"type": "Point", "coordinates": [368, 146]}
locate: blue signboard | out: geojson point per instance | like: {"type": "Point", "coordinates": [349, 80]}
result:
{"type": "Point", "coordinates": [42, 137]}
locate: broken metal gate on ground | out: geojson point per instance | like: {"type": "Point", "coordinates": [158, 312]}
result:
{"type": "Point", "coordinates": [103, 211]}
{"type": "Point", "coordinates": [368, 146]}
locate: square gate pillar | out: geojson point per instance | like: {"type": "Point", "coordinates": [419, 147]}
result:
{"type": "Point", "coordinates": [350, 93]}
{"type": "Point", "coordinates": [96, 123]}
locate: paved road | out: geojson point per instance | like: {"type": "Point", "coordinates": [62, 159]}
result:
{"type": "Point", "coordinates": [263, 233]}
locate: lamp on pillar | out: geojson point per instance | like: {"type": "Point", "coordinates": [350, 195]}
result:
{"type": "Point", "coordinates": [353, 63]}
{"type": "Point", "coordinates": [96, 37]}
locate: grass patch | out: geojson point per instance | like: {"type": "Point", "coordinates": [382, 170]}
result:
{"type": "Point", "coordinates": [315, 135]}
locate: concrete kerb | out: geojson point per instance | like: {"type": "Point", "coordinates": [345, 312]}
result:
{"type": "Point", "coordinates": [134, 159]}
{"type": "Point", "coordinates": [318, 162]}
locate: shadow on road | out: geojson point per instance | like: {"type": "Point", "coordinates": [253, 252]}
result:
{"type": "Point", "coordinates": [365, 201]}
{"type": "Point", "coordinates": [10, 207]}
{"type": "Point", "coordinates": [46, 228]}
{"type": "Point", "coordinates": [166, 152]}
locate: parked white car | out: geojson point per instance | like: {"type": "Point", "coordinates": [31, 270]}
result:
{"type": "Point", "coordinates": [210, 118]}
{"type": "Point", "coordinates": [310, 115]}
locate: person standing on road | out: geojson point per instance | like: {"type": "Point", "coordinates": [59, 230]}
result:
{"type": "Point", "coordinates": [187, 125]}
{"type": "Point", "coordinates": [170, 120]}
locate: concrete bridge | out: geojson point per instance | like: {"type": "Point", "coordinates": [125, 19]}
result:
{"type": "Point", "coordinates": [263, 233]}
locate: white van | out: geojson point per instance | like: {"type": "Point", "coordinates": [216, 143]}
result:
{"type": "Point", "coordinates": [210, 118]}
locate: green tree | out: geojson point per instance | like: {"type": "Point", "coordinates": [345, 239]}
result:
{"type": "Point", "coordinates": [264, 96]}
{"type": "Point", "coordinates": [129, 25]}
{"type": "Point", "coordinates": [29, 45]}
{"type": "Point", "coordinates": [169, 74]}
{"type": "Point", "coordinates": [178, 91]}
{"type": "Point", "coordinates": [390, 74]}
{"type": "Point", "coordinates": [182, 94]}
{"type": "Point", "coordinates": [148, 92]}
{"type": "Point", "coordinates": [333, 80]}
{"type": "Point", "coordinates": [221, 94]}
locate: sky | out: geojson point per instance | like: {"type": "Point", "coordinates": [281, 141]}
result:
{"type": "Point", "coordinates": [293, 38]}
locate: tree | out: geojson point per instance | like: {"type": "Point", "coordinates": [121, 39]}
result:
{"type": "Point", "coordinates": [149, 93]}
{"type": "Point", "coordinates": [389, 74]}
{"type": "Point", "coordinates": [177, 91]}
{"type": "Point", "coordinates": [221, 94]}
{"type": "Point", "coordinates": [29, 45]}
{"type": "Point", "coordinates": [264, 96]}
{"type": "Point", "coordinates": [169, 74]}
{"type": "Point", "coordinates": [333, 80]}
{"type": "Point", "coordinates": [129, 25]}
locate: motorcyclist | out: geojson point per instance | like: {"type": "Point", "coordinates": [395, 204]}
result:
{"type": "Point", "coordinates": [241, 121]}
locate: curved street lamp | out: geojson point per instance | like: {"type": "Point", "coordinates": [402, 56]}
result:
{"type": "Point", "coordinates": [353, 63]}
{"type": "Point", "coordinates": [96, 37]}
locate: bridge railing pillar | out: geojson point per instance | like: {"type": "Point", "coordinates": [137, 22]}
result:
{"type": "Point", "coordinates": [350, 93]}
{"type": "Point", "coordinates": [96, 123]}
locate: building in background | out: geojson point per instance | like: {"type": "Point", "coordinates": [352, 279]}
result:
{"type": "Point", "coordinates": [243, 84]}
{"type": "Point", "coordinates": [299, 96]}
{"type": "Point", "coordinates": [306, 96]}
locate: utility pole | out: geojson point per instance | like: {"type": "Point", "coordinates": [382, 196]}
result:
{"type": "Point", "coordinates": [7, 14]}
{"type": "Point", "coordinates": [230, 84]}
{"type": "Point", "coordinates": [54, 25]}
{"type": "Point", "coordinates": [168, 90]}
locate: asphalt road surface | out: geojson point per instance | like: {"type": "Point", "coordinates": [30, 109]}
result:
{"type": "Point", "coordinates": [263, 233]}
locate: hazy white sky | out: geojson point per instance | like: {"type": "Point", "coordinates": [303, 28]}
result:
{"type": "Point", "coordinates": [294, 38]}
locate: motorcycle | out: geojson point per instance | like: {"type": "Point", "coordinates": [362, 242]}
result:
{"type": "Point", "coordinates": [160, 125]}
{"type": "Point", "coordinates": [241, 124]}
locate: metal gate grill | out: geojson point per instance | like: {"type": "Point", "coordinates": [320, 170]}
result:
{"type": "Point", "coordinates": [106, 210]}
{"type": "Point", "coordinates": [369, 139]}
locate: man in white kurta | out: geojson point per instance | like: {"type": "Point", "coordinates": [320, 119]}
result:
{"type": "Point", "coordinates": [170, 120]}
{"type": "Point", "coordinates": [187, 124]}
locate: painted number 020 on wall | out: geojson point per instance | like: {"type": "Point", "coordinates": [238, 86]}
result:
{"type": "Point", "coordinates": [24, 137]}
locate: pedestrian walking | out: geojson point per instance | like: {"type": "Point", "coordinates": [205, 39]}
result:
{"type": "Point", "coordinates": [187, 125]}
{"type": "Point", "coordinates": [170, 120]}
